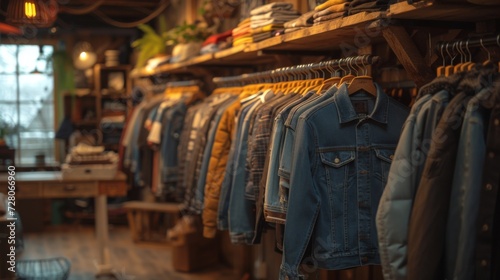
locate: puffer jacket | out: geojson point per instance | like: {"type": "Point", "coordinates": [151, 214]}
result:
{"type": "Point", "coordinates": [217, 165]}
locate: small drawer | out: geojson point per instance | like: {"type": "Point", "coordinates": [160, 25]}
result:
{"type": "Point", "coordinates": [67, 190]}
{"type": "Point", "coordinates": [25, 190]}
{"type": "Point", "coordinates": [113, 188]}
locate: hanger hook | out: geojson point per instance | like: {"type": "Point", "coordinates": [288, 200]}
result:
{"type": "Point", "coordinates": [482, 45]}
{"type": "Point", "coordinates": [468, 50]}
{"type": "Point", "coordinates": [442, 54]}
{"type": "Point", "coordinates": [461, 51]}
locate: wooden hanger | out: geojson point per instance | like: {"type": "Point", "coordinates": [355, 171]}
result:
{"type": "Point", "coordinates": [362, 83]}
{"type": "Point", "coordinates": [440, 69]}
{"type": "Point", "coordinates": [488, 61]}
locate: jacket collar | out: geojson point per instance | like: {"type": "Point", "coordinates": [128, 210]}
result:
{"type": "Point", "coordinates": [346, 110]}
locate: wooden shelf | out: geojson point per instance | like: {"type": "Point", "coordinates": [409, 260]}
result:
{"type": "Point", "coordinates": [433, 10]}
{"type": "Point", "coordinates": [346, 34]}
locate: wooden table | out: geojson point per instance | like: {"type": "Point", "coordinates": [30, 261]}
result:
{"type": "Point", "coordinates": [50, 184]}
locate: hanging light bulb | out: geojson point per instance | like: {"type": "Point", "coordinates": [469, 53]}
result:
{"type": "Point", "coordinates": [39, 13]}
{"type": "Point", "coordinates": [29, 9]}
{"type": "Point", "coordinates": [84, 56]}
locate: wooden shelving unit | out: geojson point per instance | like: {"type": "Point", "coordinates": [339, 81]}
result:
{"type": "Point", "coordinates": [87, 107]}
{"type": "Point", "coordinates": [345, 34]}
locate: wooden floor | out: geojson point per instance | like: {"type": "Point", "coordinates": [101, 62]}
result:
{"type": "Point", "coordinates": [130, 261]}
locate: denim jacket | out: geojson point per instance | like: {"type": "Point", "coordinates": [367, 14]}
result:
{"type": "Point", "coordinates": [335, 186]}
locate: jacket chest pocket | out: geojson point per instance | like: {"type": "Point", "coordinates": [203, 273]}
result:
{"type": "Point", "coordinates": [382, 163]}
{"type": "Point", "coordinates": [338, 166]}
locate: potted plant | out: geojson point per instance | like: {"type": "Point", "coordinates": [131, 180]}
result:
{"type": "Point", "coordinates": [5, 130]}
{"type": "Point", "coordinates": [152, 44]}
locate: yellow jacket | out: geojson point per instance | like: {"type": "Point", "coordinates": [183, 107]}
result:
{"type": "Point", "coordinates": [216, 168]}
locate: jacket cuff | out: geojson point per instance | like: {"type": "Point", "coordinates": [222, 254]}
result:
{"type": "Point", "coordinates": [209, 232]}
{"type": "Point", "coordinates": [288, 273]}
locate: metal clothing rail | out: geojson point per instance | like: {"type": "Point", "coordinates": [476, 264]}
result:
{"type": "Point", "coordinates": [460, 46]}
{"type": "Point", "coordinates": [351, 63]}
{"type": "Point", "coordinates": [184, 83]}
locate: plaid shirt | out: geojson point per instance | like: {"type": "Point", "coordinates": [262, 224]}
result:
{"type": "Point", "coordinates": [184, 149]}
{"type": "Point", "coordinates": [260, 143]}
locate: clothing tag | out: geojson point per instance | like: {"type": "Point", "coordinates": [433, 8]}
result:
{"type": "Point", "coordinates": [360, 106]}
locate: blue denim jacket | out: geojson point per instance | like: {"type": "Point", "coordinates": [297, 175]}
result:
{"type": "Point", "coordinates": [287, 151]}
{"type": "Point", "coordinates": [466, 193]}
{"type": "Point", "coordinates": [173, 122]}
{"type": "Point", "coordinates": [241, 218]}
{"type": "Point", "coordinates": [343, 159]}
{"type": "Point", "coordinates": [272, 197]}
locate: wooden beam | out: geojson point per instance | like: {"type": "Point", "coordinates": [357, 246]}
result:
{"type": "Point", "coordinates": [431, 57]}
{"type": "Point", "coordinates": [407, 53]}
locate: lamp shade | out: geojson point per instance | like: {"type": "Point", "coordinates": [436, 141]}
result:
{"type": "Point", "coordinates": [39, 13]}
{"type": "Point", "coordinates": [84, 56]}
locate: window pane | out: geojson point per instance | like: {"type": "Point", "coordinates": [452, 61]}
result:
{"type": "Point", "coordinates": [36, 87]}
{"type": "Point", "coordinates": [8, 89]}
{"type": "Point", "coordinates": [8, 59]}
{"type": "Point", "coordinates": [37, 132]}
{"type": "Point", "coordinates": [28, 56]}
{"type": "Point", "coordinates": [30, 109]}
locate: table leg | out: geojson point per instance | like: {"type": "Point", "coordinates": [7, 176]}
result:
{"type": "Point", "coordinates": [101, 209]}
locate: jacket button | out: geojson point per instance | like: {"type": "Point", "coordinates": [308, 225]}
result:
{"type": "Point", "coordinates": [484, 263]}
{"type": "Point", "coordinates": [497, 122]}
{"type": "Point", "coordinates": [489, 187]}
{"type": "Point", "coordinates": [491, 154]}
{"type": "Point", "coordinates": [336, 160]}
{"type": "Point", "coordinates": [485, 227]}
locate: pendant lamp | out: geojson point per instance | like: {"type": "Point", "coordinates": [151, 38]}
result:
{"type": "Point", "coordinates": [39, 13]}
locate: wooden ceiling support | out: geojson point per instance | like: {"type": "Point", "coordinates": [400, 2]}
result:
{"type": "Point", "coordinates": [408, 54]}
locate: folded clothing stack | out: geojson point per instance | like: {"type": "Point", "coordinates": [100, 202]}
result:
{"type": "Point", "coordinates": [305, 20]}
{"type": "Point", "coordinates": [359, 6]}
{"type": "Point", "coordinates": [331, 9]}
{"type": "Point", "coordinates": [241, 34]}
{"type": "Point", "coordinates": [215, 42]}
{"type": "Point", "coordinates": [89, 162]}
{"type": "Point", "coordinates": [266, 20]}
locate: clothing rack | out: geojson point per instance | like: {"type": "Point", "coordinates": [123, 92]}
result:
{"type": "Point", "coordinates": [184, 83]}
{"type": "Point", "coordinates": [352, 64]}
{"type": "Point", "coordinates": [460, 46]}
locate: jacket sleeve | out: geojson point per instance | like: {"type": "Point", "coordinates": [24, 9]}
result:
{"type": "Point", "coordinates": [216, 168]}
{"type": "Point", "coordinates": [304, 202]}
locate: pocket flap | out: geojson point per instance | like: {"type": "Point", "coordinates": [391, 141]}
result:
{"type": "Point", "coordinates": [385, 154]}
{"type": "Point", "coordinates": [337, 158]}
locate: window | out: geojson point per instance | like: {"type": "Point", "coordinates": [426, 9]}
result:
{"type": "Point", "coordinates": [27, 101]}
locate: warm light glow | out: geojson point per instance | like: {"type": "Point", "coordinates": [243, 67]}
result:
{"type": "Point", "coordinates": [29, 9]}
{"type": "Point", "coordinates": [84, 56]}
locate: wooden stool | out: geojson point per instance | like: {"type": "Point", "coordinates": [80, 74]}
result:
{"type": "Point", "coordinates": [139, 214]}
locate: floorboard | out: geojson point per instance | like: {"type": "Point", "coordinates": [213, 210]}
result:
{"type": "Point", "coordinates": [130, 261]}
